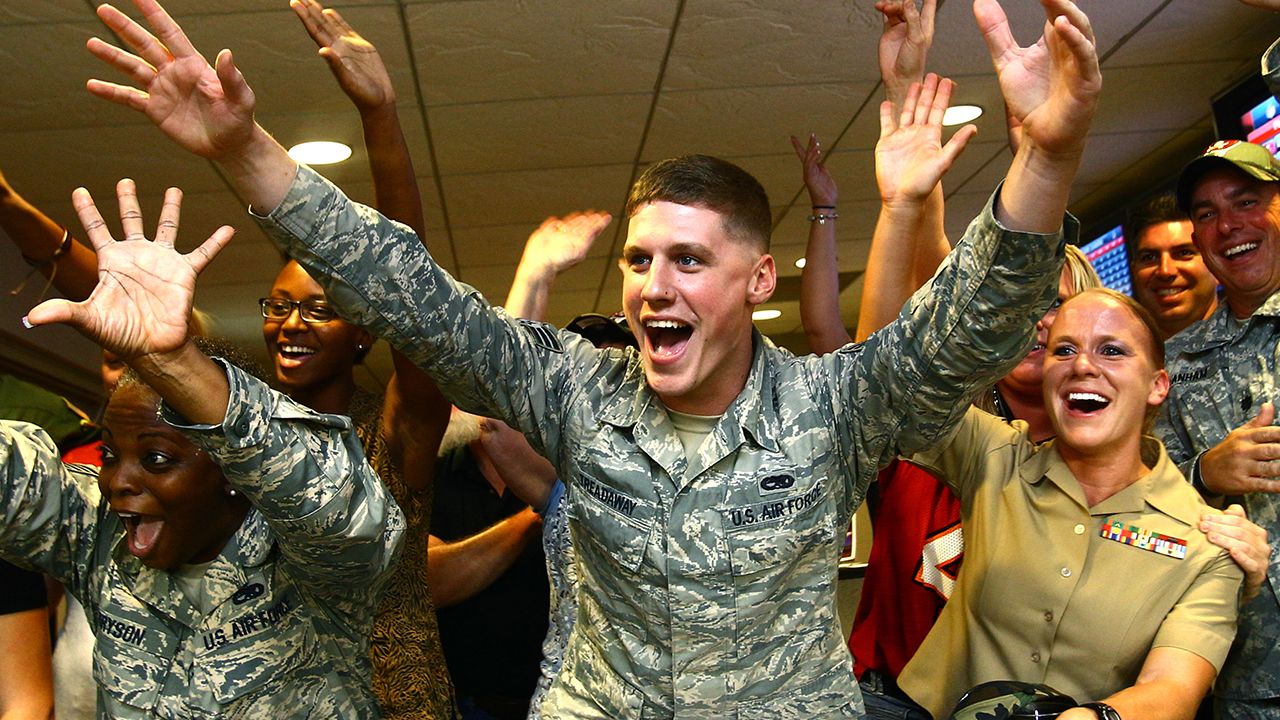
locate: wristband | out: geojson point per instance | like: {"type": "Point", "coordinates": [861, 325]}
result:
{"type": "Point", "coordinates": [63, 248]}
{"type": "Point", "coordinates": [824, 207]}
{"type": "Point", "coordinates": [1103, 710]}
{"type": "Point", "coordinates": [822, 218]}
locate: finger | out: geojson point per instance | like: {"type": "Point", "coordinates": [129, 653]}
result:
{"type": "Point", "coordinates": [95, 228]}
{"type": "Point", "coordinates": [130, 211]}
{"type": "Point", "coordinates": [1266, 415]}
{"type": "Point", "coordinates": [941, 101]}
{"type": "Point", "coordinates": [909, 104]}
{"type": "Point", "coordinates": [338, 21]}
{"type": "Point", "coordinates": [1072, 12]}
{"type": "Point", "coordinates": [795, 145]}
{"type": "Point", "coordinates": [52, 311]}
{"type": "Point", "coordinates": [956, 145]}
{"type": "Point", "coordinates": [1082, 49]}
{"type": "Point", "coordinates": [168, 31]}
{"type": "Point", "coordinates": [994, 26]}
{"type": "Point", "coordinates": [170, 212]}
{"type": "Point", "coordinates": [118, 94]}
{"type": "Point", "coordinates": [135, 67]}
{"type": "Point", "coordinates": [233, 83]}
{"type": "Point", "coordinates": [146, 45]}
{"type": "Point", "coordinates": [928, 11]}
{"type": "Point", "coordinates": [911, 15]}
{"type": "Point", "coordinates": [310, 21]}
{"type": "Point", "coordinates": [924, 104]}
{"type": "Point", "coordinates": [200, 258]}
{"type": "Point", "coordinates": [887, 125]}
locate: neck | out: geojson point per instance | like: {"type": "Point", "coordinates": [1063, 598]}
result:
{"type": "Point", "coordinates": [1244, 307]}
{"type": "Point", "coordinates": [332, 397]}
{"type": "Point", "coordinates": [1029, 408]}
{"type": "Point", "coordinates": [1102, 474]}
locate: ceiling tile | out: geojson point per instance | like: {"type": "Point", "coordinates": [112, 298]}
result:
{"type": "Point", "coordinates": [527, 197]}
{"type": "Point", "coordinates": [543, 133]}
{"type": "Point", "coordinates": [497, 50]}
{"type": "Point", "coordinates": [1195, 31]}
{"type": "Point", "coordinates": [31, 12]}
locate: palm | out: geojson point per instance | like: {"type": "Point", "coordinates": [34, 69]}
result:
{"type": "Point", "coordinates": [360, 72]}
{"type": "Point", "coordinates": [188, 104]}
{"type": "Point", "coordinates": [561, 243]}
{"type": "Point", "coordinates": [909, 162]}
{"type": "Point", "coordinates": [1024, 79]}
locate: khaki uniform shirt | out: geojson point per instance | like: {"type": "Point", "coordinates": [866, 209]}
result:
{"type": "Point", "coordinates": [1222, 372]}
{"type": "Point", "coordinates": [707, 588]}
{"type": "Point", "coordinates": [1044, 596]}
{"type": "Point", "coordinates": [293, 593]}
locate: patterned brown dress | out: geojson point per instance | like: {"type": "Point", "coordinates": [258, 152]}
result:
{"type": "Point", "coordinates": [410, 677]}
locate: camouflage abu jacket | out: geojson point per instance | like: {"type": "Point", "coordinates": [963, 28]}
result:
{"type": "Point", "coordinates": [1221, 373]}
{"type": "Point", "coordinates": [707, 589]}
{"type": "Point", "coordinates": [293, 592]}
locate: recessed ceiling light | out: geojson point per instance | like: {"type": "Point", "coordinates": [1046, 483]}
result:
{"type": "Point", "coordinates": [960, 114]}
{"type": "Point", "coordinates": [766, 314]}
{"type": "Point", "coordinates": [320, 152]}
{"type": "Point", "coordinates": [800, 263]}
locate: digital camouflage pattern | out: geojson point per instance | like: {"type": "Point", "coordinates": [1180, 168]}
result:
{"type": "Point", "coordinates": [707, 588]}
{"type": "Point", "coordinates": [293, 592]}
{"type": "Point", "coordinates": [1222, 371]}
{"type": "Point", "coordinates": [562, 572]}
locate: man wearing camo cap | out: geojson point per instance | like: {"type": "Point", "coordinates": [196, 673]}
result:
{"type": "Point", "coordinates": [1217, 422]}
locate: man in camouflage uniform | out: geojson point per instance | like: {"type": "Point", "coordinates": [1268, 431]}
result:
{"type": "Point", "coordinates": [1217, 420]}
{"type": "Point", "coordinates": [708, 568]}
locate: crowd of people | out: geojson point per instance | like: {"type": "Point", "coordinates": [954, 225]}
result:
{"type": "Point", "coordinates": [641, 516]}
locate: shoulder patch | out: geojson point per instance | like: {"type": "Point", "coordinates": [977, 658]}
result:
{"type": "Point", "coordinates": [543, 335]}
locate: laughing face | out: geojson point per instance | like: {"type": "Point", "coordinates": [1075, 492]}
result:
{"type": "Point", "coordinates": [1236, 227]}
{"type": "Point", "coordinates": [172, 498]}
{"type": "Point", "coordinates": [1100, 377]}
{"type": "Point", "coordinates": [688, 291]}
{"type": "Point", "coordinates": [1170, 279]}
{"type": "Point", "coordinates": [309, 356]}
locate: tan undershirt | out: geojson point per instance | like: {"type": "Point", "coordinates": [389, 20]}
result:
{"type": "Point", "coordinates": [692, 430]}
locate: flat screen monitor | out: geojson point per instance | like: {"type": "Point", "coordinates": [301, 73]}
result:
{"type": "Point", "coordinates": [1109, 257]}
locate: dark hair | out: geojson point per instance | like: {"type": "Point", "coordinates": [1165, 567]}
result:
{"type": "Point", "coordinates": [711, 183]}
{"type": "Point", "coordinates": [212, 347]}
{"type": "Point", "coordinates": [1155, 210]}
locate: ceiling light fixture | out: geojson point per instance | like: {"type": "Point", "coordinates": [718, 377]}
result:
{"type": "Point", "coordinates": [960, 114]}
{"type": "Point", "coordinates": [320, 152]}
{"type": "Point", "coordinates": [766, 314]}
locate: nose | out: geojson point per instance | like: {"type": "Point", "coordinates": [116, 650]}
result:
{"type": "Point", "coordinates": [1082, 365]}
{"type": "Point", "coordinates": [658, 286]}
{"type": "Point", "coordinates": [1227, 221]}
{"type": "Point", "coordinates": [294, 320]}
{"type": "Point", "coordinates": [1165, 268]}
{"type": "Point", "coordinates": [117, 481]}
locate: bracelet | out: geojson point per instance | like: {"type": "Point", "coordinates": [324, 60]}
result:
{"type": "Point", "coordinates": [824, 207]}
{"type": "Point", "coordinates": [822, 218]}
{"type": "Point", "coordinates": [1102, 710]}
{"type": "Point", "coordinates": [63, 248]}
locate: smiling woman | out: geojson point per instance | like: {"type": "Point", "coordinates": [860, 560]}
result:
{"type": "Point", "coordinates": [1109, 510]}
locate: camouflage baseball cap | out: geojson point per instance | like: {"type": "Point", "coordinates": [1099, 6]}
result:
{"type": "Point", "coordinates": [1254, 160]}
{"type": "Point", "coordinates": [1011, 700]}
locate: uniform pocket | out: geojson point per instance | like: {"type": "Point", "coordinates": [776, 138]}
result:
{"type": "Point", "coordinates": [771, 532]}
{"type": "Point", "coordinates": [832, 694]}
{"type": "Point", "coordinates": [128, 676]}
{"type": "Point", "coordinates": [262, 647]}
{"type": "Point", "coordinates": [616, 521]}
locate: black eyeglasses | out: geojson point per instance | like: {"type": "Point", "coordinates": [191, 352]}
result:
{"type": "Point", "coordinates": [311, 311]}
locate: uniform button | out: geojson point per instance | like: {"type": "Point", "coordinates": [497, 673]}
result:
{"type": "Point", "coordinates": [242, 427]}
{"type": "Point", "coordinates": [1079, 528]}
{"type": "Point", "coordinates": [1048, 616]}
{"type": "Point", "coordinates": [1066, 572]}
{"type": "Point", "coordinates": [1035, 657]}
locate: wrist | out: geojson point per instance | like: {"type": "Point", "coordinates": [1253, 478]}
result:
{"type": "Point", "coordinates": [385, 110]}
{"type": "Point", "coordinates": [1101, 710]}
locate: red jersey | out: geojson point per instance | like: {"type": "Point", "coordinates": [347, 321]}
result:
{"type": "Point", "coordinates": [916, 549]}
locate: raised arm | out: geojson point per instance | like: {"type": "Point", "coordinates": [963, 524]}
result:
{"type": "Point", "coordinates": [820, 280]}
{"type": "Point", "coordinates": [458, 570]}
{"type": "Point", "coordinates": [556, 245]}
{"type": "Point", "coordinates": [46, 245]}
{"type": "Point", "coordinates": [208, 110]}
{"type": "Point", "coordinates": [1055, 106]}
{"type": "Point", "coordinates": [361, 74]}
{"type": "Point", "coordinates": [140, 308]}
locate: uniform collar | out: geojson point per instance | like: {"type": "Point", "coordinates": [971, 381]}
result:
{"type": "Point", "coordinates": [1164, 489]}
{"type": "Point", "coordinates": [753, 412]}
{"type": "Point", "coordinates": [1219, 328]}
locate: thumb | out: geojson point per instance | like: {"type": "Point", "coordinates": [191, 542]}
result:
{"type": "Point", "coordinates": [52, 311]}
{"type": "Point", "coordinates": [1235, 510]}
{"type": "Point", "coordinates": [1266, 415]}
{"type": "Point", "coordinates": [232, 80]}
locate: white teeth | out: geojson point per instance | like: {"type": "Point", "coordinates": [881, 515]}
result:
{"type": "Point", "coordinates": [664, 324]}
{"type": "Point", "coordinates": [126, 515]}
{"type": "Point", "coordinates": [1168, 292]}
{"type": "Point", "coordinates": [297, 350]}
{"type": "Point", "coordinates": [1086, 396]}
{"type": "Point", "coordinates": [1232, 252]}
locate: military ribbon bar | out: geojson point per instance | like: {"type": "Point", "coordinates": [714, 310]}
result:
{"type": "Point", "coordinates": [1135, 536]}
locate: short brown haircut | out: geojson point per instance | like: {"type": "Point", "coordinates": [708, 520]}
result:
{"type": "Point", "coordinates": [711, 183]}
{"type": "Point", "coordinates": [1155, 210]}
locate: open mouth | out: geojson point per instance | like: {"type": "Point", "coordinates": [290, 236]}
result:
{"type": "Point", "coordinates": [666, 339]}
{"type": "Point", "coordinates": [292, 355]}
{"type": "Point", "coordinates": [141, 532]}
{"type": "Point", "coordinates": [1086, 403]}
{"type": "Point", "coordinates": [1232, 253]}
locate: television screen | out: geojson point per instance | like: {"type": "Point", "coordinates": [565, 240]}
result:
{"type": "Point", "coordinates": [1261, 124]}
{"type": "Point", "coordinates": [1108, 256]}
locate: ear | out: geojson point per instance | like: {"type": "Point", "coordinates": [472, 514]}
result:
{"type": "Point", "coordinates": [764, 279]}
{"type": "Point", "coordinates": [1159, 388]}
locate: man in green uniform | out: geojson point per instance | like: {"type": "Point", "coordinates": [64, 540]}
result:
{"type": "Point", "coordinates": [710, 473]}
